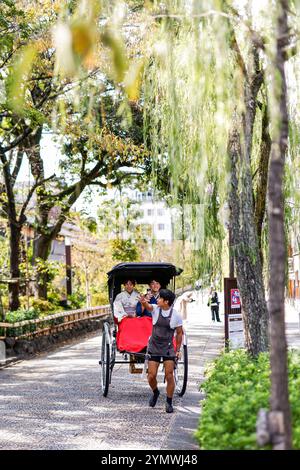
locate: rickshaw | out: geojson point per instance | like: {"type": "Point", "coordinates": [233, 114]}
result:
{"type": "Point", "coordinates": [133, 350]}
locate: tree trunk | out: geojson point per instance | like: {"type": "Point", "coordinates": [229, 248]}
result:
{"type": "Point", "coordinates": [242, 223]}
{"type": "Point", "coordinates": [42, 242]}
{"type": "Point", "coordinates": [14, 285]}
{"type": "Point", "coordinates": [245, 245]}
{"type": "Point", "coordinates": [46, 201]}
{"type": "Point", "coordinates": [41, 251]}
{"type": "Point", "coordinates": [279, 369]}
{"type": "Point", "coordinates": [261, 187]}
{"type": "Point", "coordinates": [14, 235]}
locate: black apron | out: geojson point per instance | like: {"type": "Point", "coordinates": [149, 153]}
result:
{"type": "Point", "coordinates": [161, 341]}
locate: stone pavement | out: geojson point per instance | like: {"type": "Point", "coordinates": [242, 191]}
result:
{"type": "Point", "coordinates": [54, 401]}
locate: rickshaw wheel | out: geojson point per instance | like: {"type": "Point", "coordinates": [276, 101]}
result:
{"type": "Point", "coordinates": [105, 360]}
{"type": "Point", "coordinates": [181, 372]}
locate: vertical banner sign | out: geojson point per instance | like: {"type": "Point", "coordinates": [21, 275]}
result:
{"type": "Point", "coordinates": [234, 329]}
{"type": "Point", "coordinates": [235, 299]}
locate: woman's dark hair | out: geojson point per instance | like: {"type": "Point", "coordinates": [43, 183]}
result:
{"type": "Point", "coordinates": [131, 280]}
{"type": "Point", "coordinates": [168, 295]}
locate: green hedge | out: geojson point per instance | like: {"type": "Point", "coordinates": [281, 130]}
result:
{"type": "Point", "coordinates": [237, 386]}
{"type": "Point", "coordinates": [21, 315]}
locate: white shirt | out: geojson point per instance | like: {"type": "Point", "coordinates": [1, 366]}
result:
{"type": "Point", "coordinates": [125, 304]}
{"type": "Point", "coordinates": [176, 319]}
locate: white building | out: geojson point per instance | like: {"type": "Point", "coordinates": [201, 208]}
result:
{"type": "Point", "coordinates": [154, 214]}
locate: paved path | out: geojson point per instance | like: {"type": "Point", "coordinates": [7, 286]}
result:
{"type": "Point", "coordinates": [54, 401]}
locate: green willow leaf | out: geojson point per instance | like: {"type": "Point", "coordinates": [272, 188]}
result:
{"type": "Point", "coordinates": [119, 61]}
{"type": "Point", "coordinates": [17, 80]}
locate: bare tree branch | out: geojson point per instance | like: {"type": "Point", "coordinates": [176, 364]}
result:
{"type": "Point", "coordinates": [17, 167]}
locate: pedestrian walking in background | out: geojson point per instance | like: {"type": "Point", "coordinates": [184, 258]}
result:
{"type": "Point", "coordinates": [213, 303]}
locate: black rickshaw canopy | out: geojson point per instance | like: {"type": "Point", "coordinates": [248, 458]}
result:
{"type": "Point", "coordinates": [142, 273]}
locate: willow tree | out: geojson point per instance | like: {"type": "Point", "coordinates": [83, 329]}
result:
{"type": "Point", "coordinates": [205, 82]}
{"type": "Point", "coordinates": [242, 214]}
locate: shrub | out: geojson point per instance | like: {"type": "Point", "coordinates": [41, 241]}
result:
{"type": "Point", "coordinates": [100, 298]}
{"type": "Point", "coordinates": [76, 301]}
{"type": "Point", "coordinates": [21, 315]}
{"type": "Point", "coordinates": [237, 386]}
{"type": "Point", "coordinates": [54, 298]}
{"type": "Point", "coordinates": [44, 306]}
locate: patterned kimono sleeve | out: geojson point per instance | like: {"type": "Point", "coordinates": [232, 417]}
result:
{"type": "Point", "coordinates": [119, 311]}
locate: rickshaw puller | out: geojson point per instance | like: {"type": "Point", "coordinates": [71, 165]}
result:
{"type": "Point", "coordinates": [165, 321]}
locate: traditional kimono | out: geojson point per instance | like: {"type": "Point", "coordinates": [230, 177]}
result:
{"type": "Point", "coordinates": [125, 304]}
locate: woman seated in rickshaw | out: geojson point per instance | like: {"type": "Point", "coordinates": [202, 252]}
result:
{"type": "Point", "coordinates": [134, 324]}
{"type": "Point", "coordinates": [151, 296]}
{"type": "Point", "coordinates": [133, 319]}
{"type": "Point", "coordinates": [125, 303]}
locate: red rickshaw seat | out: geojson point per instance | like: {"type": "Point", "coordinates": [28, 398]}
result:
{"type": "Point", "coordinates": [134, 333]}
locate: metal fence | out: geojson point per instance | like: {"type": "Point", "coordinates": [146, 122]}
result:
{"type": "Point", "coordinates": [52, 323]}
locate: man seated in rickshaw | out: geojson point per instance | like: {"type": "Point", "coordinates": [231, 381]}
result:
{"type": "Point", "coordinates": [166, 320]}
{"type": "Point", "coordinates": [151, 296]}
{"type": "Point", "coordinates": [125, 303]}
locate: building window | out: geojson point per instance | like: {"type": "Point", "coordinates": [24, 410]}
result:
{"type": "Point", "coordinates": [160, 212]}
{"type": "Point", "coordinates": [161, 227]}
{"type": "Point", "coordinates": [150, 212]}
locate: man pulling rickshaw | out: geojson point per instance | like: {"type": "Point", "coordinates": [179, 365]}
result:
{"type": "Point", "coordinates": [145, 340]}
{"type": "Point", "coordinates": [166, 320]}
